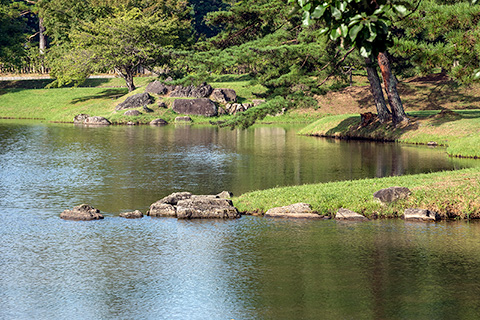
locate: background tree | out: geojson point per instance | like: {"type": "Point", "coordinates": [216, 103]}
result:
{"type": "Point", "coordinates": [122, 41]}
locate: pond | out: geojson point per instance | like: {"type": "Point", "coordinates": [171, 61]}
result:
{"type": "Point", "coordinates": [250, 268]}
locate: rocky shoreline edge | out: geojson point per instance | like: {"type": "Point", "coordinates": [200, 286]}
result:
{"type": "Point", "coordinates": [185, 205]}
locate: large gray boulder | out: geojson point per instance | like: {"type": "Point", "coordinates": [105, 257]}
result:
{"type": "Point", "coordinates": [156, 87]}
{"type": "Point", "coordinates": [96, 121]}
{"type": "Point", "coordinates": [206, 207]}
{"type": "Point", "coordinates": [175, 197]}
{"type": "Point", "coordinates": [296, 210]}
{"type": "Point", "coordinates": [345, 214]}
{"type": "Point", "coordinates": [224, 95]}
{"type": "Point", "coordinates": [392, 194]}
{"type": "Point", "coordinates": [135, 101]}
{"type": "Point", "coordinates": [83, 212]}
{"type": "Point", "coordinates": [420, 215]}
{"type": "Point", "coordinates": [201, 107]}
{"type": "Point", "coordinates": [202, 91]}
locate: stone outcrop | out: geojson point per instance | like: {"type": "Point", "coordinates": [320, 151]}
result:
{"type": "Point", "coordinates": [158, 122]}
{"type": "Point", "coordinates": [234, 108]}
{"type": "Point", "coordinates": [296, 210]}
{"type": "Point", "coordinates": [202, 91]}
{"type": "Point", "coordinates": [83, 212]}
{"type": "Point", "coordinates": [206, 207]}
{"type": "Point", "coordinates": [156, 87]}
{"type": "Point", "coordinates": [345, 214]}
{"type": "Point", "coordinates": [201, 107]}
{"type": "Point", "coordinates": [96, 121]}
{"type": "Point", "coordinates": [80, 118]}
{"type": "Point", "coordinates": [420, 215]}
{"type": "Point", "coordinates": [135, 101]}
{"type": "Point", "coordinates": [224, 95]}
{"type": "Point", "coordinates": [132, 113]}
{"type": "Point", "coordinates": [132, 215]}
{"type": "Point", "coordinates": [184, 205]}
{"type": "Point", "coordinates": [392, 194]}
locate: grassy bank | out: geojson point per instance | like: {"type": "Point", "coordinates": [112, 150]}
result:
{"type": "Point", "coordinates": [458, 130]}
{"type": "Point", "coordinates": [454, 195]}
{"type": "Point", "coordinates": [28, 99]}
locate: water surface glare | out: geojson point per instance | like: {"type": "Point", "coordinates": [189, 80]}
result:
{"type": "Point", "coordinates": [250, 268]}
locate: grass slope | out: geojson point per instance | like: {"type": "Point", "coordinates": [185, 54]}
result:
{"type": "Point", "coordinates": [453, 194]}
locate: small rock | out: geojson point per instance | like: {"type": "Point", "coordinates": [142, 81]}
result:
{"type": "Point", "coordinates": [392, 194]}
{"type": "Point", "coordinates": [132, 215]}
{"type": "Point", "coordinates": [225, 195]}
{"type": "Point", "coordinates": [147, 109]}
{"type": "Point", "coordinates": [297, 210]}
{"type": "Point", "coordinates": [132, 113]}
{"type": "Point", "coordinates": [432, 144]}
{"type": "Point", "coordinates": [257, 102]}
{"type": "Point", "coordinates": [83, 212]}
{"type": "Point", "coordinates": [131, 123]}
{"type": "Point", "coordinates": [96, 121]}
{"type": "Point", "coordinates": [224, 95]}
{"type": "Point", "coordinates": [158, 122]}
{"type": "Point", "coordinates": [420, 215]}
{"type": "Point", "coordinates": [162, 105]}
{"type": "Point", "coordinates": [345, 214]}
{"type": "Point", "coordinates": [80, 118]}
{"type": "Point", "coordinates": [183, 119]}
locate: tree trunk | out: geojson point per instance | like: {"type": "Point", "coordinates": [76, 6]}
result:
{"type": "Point", "coordinates": [376, 89]}
{"type": "Point", "coordinates": [42, 43]}
{"type": "Point", "coordinates": [127, 75]}
{"type": "Point", "coordinates": [398, 114]}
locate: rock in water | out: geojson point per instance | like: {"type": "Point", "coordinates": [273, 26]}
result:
{"type": "Point", "coordinates": [296, 210]}
{"type": "Point", "coordinates": [132, 215]}
{"type": "Point", "coordinates": [420, 215]}
{"type": "Point", "coordinates": [203, 207]}
{"type": "Point", "coordinates": [82, 212]}
{"type": "Point", "coordinates": [345, 214]}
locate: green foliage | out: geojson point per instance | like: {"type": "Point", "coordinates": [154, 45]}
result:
{"type": "Point", "coordinates": [12, 28]}
{"type": "Point", "coordinates": [123, 42]}
{"type": "Point", "coordinates": [365, 25]}
{"type": "Point", "coordinates": [442, 35]}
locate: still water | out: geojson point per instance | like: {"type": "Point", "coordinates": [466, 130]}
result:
{"type": "Point", "coordinates": [250, 268]}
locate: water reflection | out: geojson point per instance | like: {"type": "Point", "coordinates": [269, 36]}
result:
{"type": "Point", "coordinates": [251, 268]}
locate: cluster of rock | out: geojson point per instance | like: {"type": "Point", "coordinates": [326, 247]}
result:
{"type": "Point", "coordinates": [184, 205]}
{"type": "Point", "coordinates": [135, 101]}
{"type": "Point", "coordinates": [85, 119]}
{"type": "Point", "coordinates": [388, 195]}
{"type": "Point", "coordinates": [181, 205]}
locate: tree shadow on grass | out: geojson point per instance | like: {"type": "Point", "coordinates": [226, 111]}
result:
{"type": "Point", "coordinates": [351, 128]}
{"type": "Point", "coordinates": [113, 94]}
